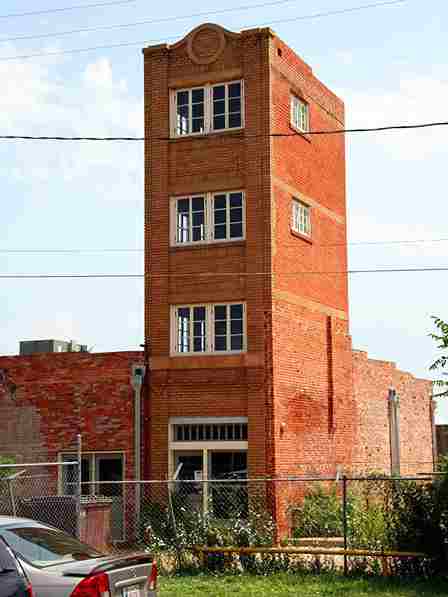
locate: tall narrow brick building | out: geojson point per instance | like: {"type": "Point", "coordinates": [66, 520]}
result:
{"type": "Point", "coordinates": [245, 225]}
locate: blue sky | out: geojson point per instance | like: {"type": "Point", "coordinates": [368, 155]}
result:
{"type": "Point", "coordinates": [389, 64]}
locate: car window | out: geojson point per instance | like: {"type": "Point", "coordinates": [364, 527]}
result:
{"type": "Point", "coordinates": [46, 547]}
{"type": "Point", "coordinates": [7, 561]}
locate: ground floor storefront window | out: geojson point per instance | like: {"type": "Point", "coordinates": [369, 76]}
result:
{"type": "Point", "coordinates": [210, 456]}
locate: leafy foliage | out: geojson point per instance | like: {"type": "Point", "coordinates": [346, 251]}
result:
{"type": "Point", "coordinates": [441, 337]}
{"type": "Point", "coordinates": [320, 514]}
{"type": "Point", "coordinates": [6, 472]}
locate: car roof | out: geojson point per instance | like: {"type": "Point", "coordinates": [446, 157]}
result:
{"type": "Point", "coordinates": [8, 520]}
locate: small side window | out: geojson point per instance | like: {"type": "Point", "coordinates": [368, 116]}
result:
{"type": "Point", "coordinates": [301, 217]}
{"type": "Point", "coordinates": [300, 118]}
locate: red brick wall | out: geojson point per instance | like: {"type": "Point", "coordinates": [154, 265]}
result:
{"type": "Point", "coordinates": [372, 380]}
{"type": "Point", "coordinates": [57, 396]}
{"type": "Point", "coordinates": [313, 399]}
{"type": "Point", "coordinates": [210, 385]}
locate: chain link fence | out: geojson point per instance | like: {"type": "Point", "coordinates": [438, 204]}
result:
{"type": "Point", "coordinates": [317, 515]}
{"type": "Point", "coordinates": [34, 490]}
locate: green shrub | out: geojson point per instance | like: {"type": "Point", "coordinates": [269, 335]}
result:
{"type": "Point", "coordinates": [6, 472]}
{"type": "Point", "coordinates": [320, 514]}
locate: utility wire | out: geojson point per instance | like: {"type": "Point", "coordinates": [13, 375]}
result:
{"type": "Point", "coordinates": [198, 15]}
{"type": "Point", "coordinates": [65, 9]}
{"type": "Point", "coordinates": [181, 35]}
{"type": "Point", "coordinates": [217, 274]}
{"type": "Point", "coordinates": [149, 21]}
{"type": "Point", "coordinates": [141, 250]}
{"type": "Point", "coordinates": [390, 127]}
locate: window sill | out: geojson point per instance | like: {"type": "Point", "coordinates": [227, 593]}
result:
{"type": "Point", "coordinates": [198, 246]}
{"type": "Point", "coordinates": [300, 133]}
{"type": "Point", "coordinates": [207, 354]}
{"type": "Point", "coordinates": [211, 134]}
{"type": "Point", "coordinates": [307, 239]}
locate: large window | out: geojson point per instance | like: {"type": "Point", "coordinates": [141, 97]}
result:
{"type": "Point", "coordinates": [227, 106]}
{"type": "Point", "coordinates": [205, 453]}
{"type": "Point", "coordinates": [300, 117]}
{"type": "Point", "coordinates": [190, 113]}
{"type": "Point", "coordinates": [212, 217]}
{"type": "Point", "coordinates": [201, 110]}
{"type": "Point", "coordinates": [208, 328]}
{"type": "Point", "coordinates": [301, 217]}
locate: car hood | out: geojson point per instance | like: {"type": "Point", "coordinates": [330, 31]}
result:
{"type": "Point", "coordinates": [101, 564]}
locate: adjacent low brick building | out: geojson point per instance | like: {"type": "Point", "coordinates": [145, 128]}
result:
{"type": "Point", "coordinates": [246, 309]}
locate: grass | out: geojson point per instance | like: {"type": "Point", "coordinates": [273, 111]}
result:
{"type": "Point", "coordinates": [306, 585]}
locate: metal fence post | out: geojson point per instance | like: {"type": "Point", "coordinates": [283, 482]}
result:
{"type": "Point", "coordinates": [344, 520]}
{"type": "Point", "coordinates": [78, 485]}
{"type": "Point", "coordinates": [12, 497]}
{"type": "Point", "coordinates": [174, 524]}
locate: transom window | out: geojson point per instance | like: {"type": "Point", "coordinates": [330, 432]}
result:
{"type": "Point", "coordinates": [208, 218]}
{"type": "Point", "coordinates": [301, 217]}
{"type": "Point", "coordinates": [300, 118]}
{"type": "Point", "coordinates": [208, 328]}
{"type": "Point", "coordinates": [201, 110]}
{"type": "Point", "coordinates": [190, 432]}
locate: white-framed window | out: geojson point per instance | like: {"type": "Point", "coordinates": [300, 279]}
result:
{"type": "Point", "coordinates": [300, 116]}
{"type": "Point", "coordinates": [210, 328]}
{"type": "Point", "coordinates": [207, 218]}
{"type": "Point", "coordinates": [227, 106]}
{"type": "Point", "coordinates": [190, 111]}
{"type": "Point", "coordinates": [203, 452]}
{"type": "Point", "coordinates": [211, 108]}
{"type": "Point", "coordinates": [301, 217]}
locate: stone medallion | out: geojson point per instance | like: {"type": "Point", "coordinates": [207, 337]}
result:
{"type": "Point", "coordinates": [206, 44]}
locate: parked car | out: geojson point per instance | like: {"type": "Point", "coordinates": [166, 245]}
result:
{"type": "Point", "coordinates": [13, 582]}
{"type": "Point", "coordinates": [58, 565]}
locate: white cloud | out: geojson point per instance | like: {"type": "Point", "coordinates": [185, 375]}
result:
{"type": "Point", "coordinates": [43, 98]}
{"type": "Point", "coordinates": [412, 99]}
{"type": "Point", "coordinates": [99, 74]}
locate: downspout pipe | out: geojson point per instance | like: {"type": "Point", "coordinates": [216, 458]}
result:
{"type": "Point", "coordinates": [137, 378]}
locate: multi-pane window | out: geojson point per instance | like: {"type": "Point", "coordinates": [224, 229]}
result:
{"type": "Point", "coordinates": [229, 331]}
{"type": "Point", "coordinates": [191, 329]}
{"type": "Point", "coordinates": [300, 118]}
{"type": "Point", "coordinates": [201, 110]}
{"type": "Point", "coordinates": [228, 216]}
{"type": "Point", "coordinates": [226, 106]}
{"type": "Point", "coordinates": [190, 113]}
{"type": "Point", "coordinates": [301, 217]}
{"type": "Point", "coordinates": [199, 432]}
{"type": "Point", "coordinates": [213, 217]}
{"type": "Point", "coordinates": [190, 219]}
{"type": "Point", "coordinates": [209, 328]}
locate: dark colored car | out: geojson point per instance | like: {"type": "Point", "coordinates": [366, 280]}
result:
{"type": "Point", "coordinates": [58, 565]}
{"type": "Point", "coordinates": [13, 582]}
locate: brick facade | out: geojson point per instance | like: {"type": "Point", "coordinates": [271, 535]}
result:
{"type": "Point", "coordinates": [47, 399]}
{"type": "Point", "coordinates": [372, 380]}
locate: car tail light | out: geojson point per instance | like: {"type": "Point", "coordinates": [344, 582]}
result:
{"type": "Point", "coordinates": [96, 585]}
{"type": "Point", "coordinates": [153, 577]}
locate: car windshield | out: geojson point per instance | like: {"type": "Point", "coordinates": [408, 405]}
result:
{"type": "Point", "coordinates": [43, 547]}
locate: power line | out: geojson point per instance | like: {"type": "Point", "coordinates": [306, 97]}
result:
{"type": "Point", "coordinates": [65, 9]}
{"type": "Point", "coordinates": [218, 274]}
{"type": "Point", "coordinates": [148, 21]}
{"type": "Point", "coordinates": [201, 14]}
{"type": "Point", "coordinates": [180, 35]}
{"type": "Point", "coordinates": [390, 127]}
{"type": "Point", "coordinates": [141, 250]}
